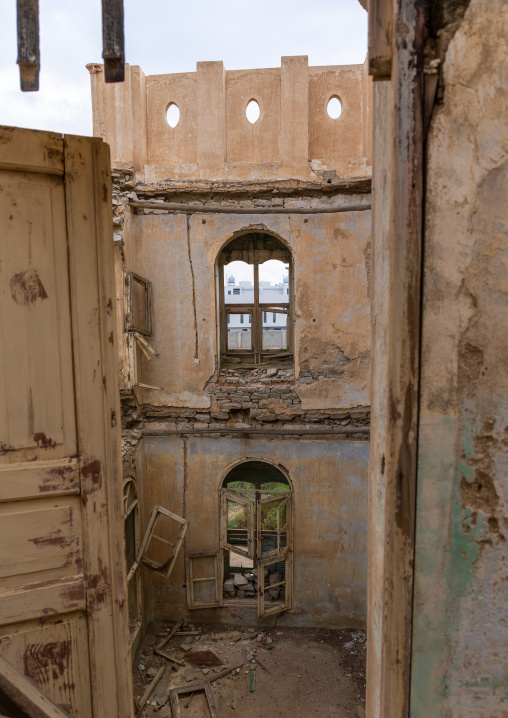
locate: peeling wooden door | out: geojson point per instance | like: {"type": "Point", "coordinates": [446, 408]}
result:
{"type": "Point", "coordinates": [62, 574]}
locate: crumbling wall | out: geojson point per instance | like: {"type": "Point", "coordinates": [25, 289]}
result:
{"type": "Point", "coordinates": [294, 136]}
{"type": "Point", "coordinates": [304, 178]}
{"type": "Point", "coordinates": [460, 614]}
{"type": "Point", "coordinates": [329, 478]}
{"type": "Point", "coordinates": [177, 253]}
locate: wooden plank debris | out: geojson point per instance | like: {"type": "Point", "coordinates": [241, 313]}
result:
{"type": "Point", "coordinates": [151, 687]}
{"type": "Point", "coordinates": [169, 635]}
{"type": "Point", "coordinates": [224, 673]}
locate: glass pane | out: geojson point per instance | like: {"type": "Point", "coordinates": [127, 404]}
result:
{"type": "Point", "coordinates": [133, 604]}
{"type": "Point", "coordinates": [139, 304]}
{"type": "Point", "coordinates": [203, 567]}
{"type": "Point", "coordinates": [239, 331]}
{"type": "Point", "coordinates": [130, 538]}
{"type": "Point", "coordinates": [205, 591]}
{"type": "Point", "coordinates": [164, 537]}
{"type": "Point", "coordinates": [275, 583]}
{"type": "Point", "coordinates": [273, 282]}
{"type": "Point", "coordinates": [237, 524]}
{"type": "Point", "coordinates": [275, 335]}
{"type": "Point", "coordinates": [239, 283]}
{"type": "Point", "coordinates": [273, 527]}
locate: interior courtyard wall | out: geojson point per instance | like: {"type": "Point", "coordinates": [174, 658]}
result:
{"type": "Point", "coordinates": [332, 328]}
{"type": "Point", "coordinates": [329, 479]}
{"type": "Point", "coordinates": [299, 176]}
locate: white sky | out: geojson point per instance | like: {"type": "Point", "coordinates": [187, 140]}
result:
{"type": "Point", "coordinates": [164, 37]}
{"type": "Point", "coordinates": [272, 271]}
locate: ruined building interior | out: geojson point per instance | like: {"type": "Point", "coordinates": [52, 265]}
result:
{"type": "Point", "coordinates": [253, 420]}
{"type": "Point", "coordinates": [257, 436]}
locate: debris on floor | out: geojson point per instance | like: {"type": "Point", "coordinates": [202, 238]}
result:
{"type": "Point", "coordinates": [262, 672]}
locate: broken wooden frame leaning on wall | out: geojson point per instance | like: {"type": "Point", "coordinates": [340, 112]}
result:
{"type": "Point", "coordinates": [165, 566]}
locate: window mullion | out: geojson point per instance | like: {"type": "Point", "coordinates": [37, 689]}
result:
{"type": "Point", "coordinates": [257, 324]}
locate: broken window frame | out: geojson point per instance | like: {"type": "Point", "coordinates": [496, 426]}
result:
{"type": "Point", "coordinates": [260, 560]}
{"type": "Point", "coordinates": [192, 603]}
{"type": "Point", "coordinates": [285, 500]}
{"type": "Point", "coordinates": [256, 356]}
{"type": "Point", "coordinates": [205, 687]}
{"type": "Point", "coordinates": [129, 325]}
{"type": "Point", "coordinates": [229, 496]}
{"type": "Point", "coordinates": [136, 575]}
{"type": "Point", "coordinates": [287, 556]}
{"type": "Point", "coordinates": [135, 336]}
{"type": "Point", "coordinates": [167, 566]}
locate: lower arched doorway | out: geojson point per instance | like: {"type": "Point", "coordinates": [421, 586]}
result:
{"type": "Point", "coordinates": [256, 537]}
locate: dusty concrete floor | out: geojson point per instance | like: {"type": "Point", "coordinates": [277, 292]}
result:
{"type": "Point", "coordinates": [301, 672]}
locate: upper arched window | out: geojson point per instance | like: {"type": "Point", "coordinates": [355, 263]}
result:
{"type": "Point", "coordinates": [255, 288]}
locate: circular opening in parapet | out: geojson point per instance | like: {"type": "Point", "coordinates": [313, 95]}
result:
{"type": "Point", "coordinates": [334, 108]}
{"type": "Point", "coordinates": [173, 115]}
{"type": "Point", "coordinates": [252, 111]}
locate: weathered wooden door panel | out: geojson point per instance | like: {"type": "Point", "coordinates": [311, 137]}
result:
{"type": "Point", "coordinates": [37, 410]}
{"type": "Point", "coordinates": [62, 578]}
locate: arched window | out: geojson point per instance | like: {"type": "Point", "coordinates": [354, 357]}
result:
{"type": "Point", "coordinates": [255, 281]}
{"type": "Point", "coordinates": [256, 536]}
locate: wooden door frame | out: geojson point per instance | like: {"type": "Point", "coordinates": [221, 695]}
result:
{"type": "Point", "coordinates": [89, 224]}
{"type": "Point", "coordinates": [396, 54]}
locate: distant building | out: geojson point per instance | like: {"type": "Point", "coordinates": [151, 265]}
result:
{"type": "Point", "coordinates": [243, 293]}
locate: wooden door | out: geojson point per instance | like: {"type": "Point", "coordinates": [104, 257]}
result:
{"type": "Point", "coordinates": [62, 573]}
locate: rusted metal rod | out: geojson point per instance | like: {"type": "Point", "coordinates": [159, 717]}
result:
{"type": "Point", "coordinates": [192, 208]}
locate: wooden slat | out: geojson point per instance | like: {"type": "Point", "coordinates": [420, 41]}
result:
{"type": "Point", "coordinates": [26, 481]}
{"type": "Point", "coordinates": [42, 599]}
{"type": "Point", "coordinates": [31, 150]}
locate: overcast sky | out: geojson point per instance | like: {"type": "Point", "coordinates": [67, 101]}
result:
{"type": "Point", "coordinates": [163, 37]}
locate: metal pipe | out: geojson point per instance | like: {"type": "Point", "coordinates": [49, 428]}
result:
{"type": "Point", "coordinates": [338, 431]}
{"type": "Point", "coordinates": [191, 208]}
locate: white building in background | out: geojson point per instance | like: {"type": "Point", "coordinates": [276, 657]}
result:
{"type": "Point", "coordinates": [243, 293]}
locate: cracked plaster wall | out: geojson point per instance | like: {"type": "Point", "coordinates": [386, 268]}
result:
{"type": "Point", "coordinates": [329, 479]}
{"type": "Point", "coordinates": [332, 326]}
{"type": "Point", "coordinates": [461, 615]}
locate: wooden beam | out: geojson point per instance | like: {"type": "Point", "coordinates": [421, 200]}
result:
{"type": "Point", "coordinates": [380, 39]}
{"type": "Point", "coordinates": [113, 43]}
{"type": "Point", "coordinates": [28, 44]}
{"type": "Point", "coordinates": [397, 239]}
